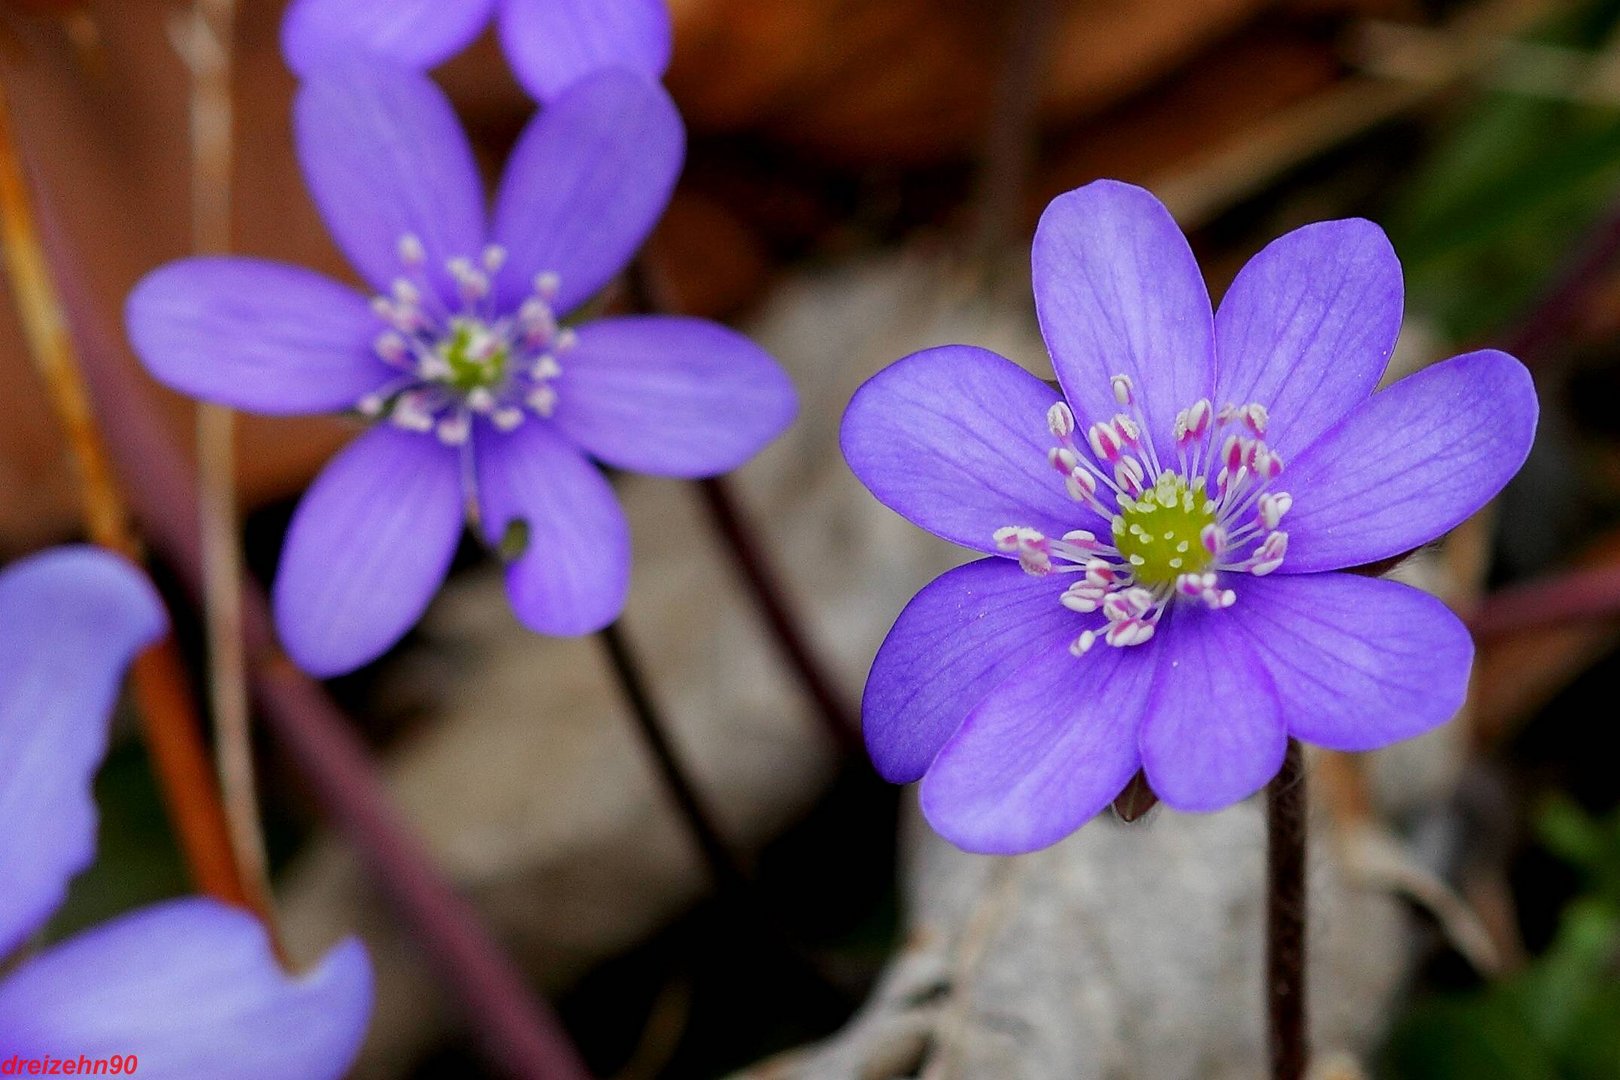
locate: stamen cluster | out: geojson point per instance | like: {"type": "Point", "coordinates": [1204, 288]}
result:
{"type": "Point", "coordinates": [1174, 530]}
{"type": "Point", "coordinates": [471, 361]}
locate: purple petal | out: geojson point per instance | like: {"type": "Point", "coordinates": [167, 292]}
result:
{"type": "Point", "coordinates": [255, 335]}
{"type": "Point", "coordinates": [1118, 292]}
{"type": "Point", "coordinates": [574, 574]}
{"type": "Point", "coordinates": [193, 991]}
{"type": "Point", "coordinates": [671, 396]}
{"type": "Point", "coordinates": [368, 547]}
{"type": "Point", "coordinates": [385, 157]}
{"type": "Point", "coordinates": [72, 620]}
{"type": "Point", "coordinates": [1357, 662]}
{"type": "Point", "coordinates": [1409, 463]}
{"type": "Point", "coordinates": [589, 178]}
{"type": "Point", "coordinates": [964, 633]}
{"type": "Point", "coordinates": [419, 34]}
{"type": "Point", "coordinates": [551, 44]}
{"type": "Point", "coordinates": [1050, 746]}
{"type": "Point", "coordinates": [1213, 733]}
{"type": "Point", "coordinates": [955, 439]}
{"type": "Point", "coordinates": [1308, 327]}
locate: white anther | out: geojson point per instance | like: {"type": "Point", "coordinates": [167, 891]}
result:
{"type": "Point", "coordinates": [1256, 417]}
{"type": "Point", "coordinates": [547, 283]}
{"type": "Point", "coordinates": [1193, 421]}
{"type": "Point", "coordinates": [410, 414]}
{"type": "Point", "coordinates": [543, 400]}
{"type": "Point", "coordinates": [1131, 632]}
{"type": "Point", "coordinates": [1080, 538]}
{"type": "Point", "coordinates": [1080, 484]}
{"type": "Point", "coordinates": [567, 338]}
{"type": "Point", "coordinates": [1233, 452]}
{"type": "Point", "coordinates": [1129, 433]}
{"type": "Point", "coordinates": [371, 405]}
{"type": "Point", "coordinates": [411, 251]}
{"type": "Point", "coordinates": [1060, 420]}
{"type": "Point", "coordinates": [1213, 537]}
{"type": "Point", "coordinates": [546, 367]}
{"type": "Point", "coordinates": [406, 294]}
{"type": "Point", "coordinates": [454, 429]}
{"type": "Point", "coordinates": [1122, 388]}
{"type": "Point", "coordinates": [1129, 475]}
{"type": "Point", "coordinates": [480, 400]}
{"type": "Point", "coordinates": [506, 418]}
{"type": "Point", "coordinates": [1082, 644]}
{"type": "Point", "coordinates": [390, 345]}
{"type": "Point", "coordinates": [1272, 507]}
{"type": "Point", "coordinates": [1105, 441]}
{"type": "Point", "coordinates": [494, 258]}
{"type": "Point", "coordinates": [1030, 545]}
{"type": "Point", "coordinates": [1062, 458]}
{"type": "Point", "coordinates": [1269, 555]}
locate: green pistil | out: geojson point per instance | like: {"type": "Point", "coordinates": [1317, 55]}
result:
{"type": "Point", "coordinates": [1161, 533]}
{"type": "Point", "coordinates": [475, 363]}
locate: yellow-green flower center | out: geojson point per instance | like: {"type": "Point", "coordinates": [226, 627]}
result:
{"type": "Point", "coordinates": [476, 357]}
{"type": "Point", "coordinates": [1161, 534]}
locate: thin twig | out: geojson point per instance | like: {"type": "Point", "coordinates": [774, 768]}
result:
{"type": "Point", "coordinates": [1285, 917]}
{"type": "Point", "coordinates": [163, 695]}
{"type": "Point", "coordinates": [518, 1031]}
{"type": "Point", "coordinates": [765, 585]}
{"type": "Point", "coordinates": [206, 41]}
{"type": "Point", "coordinates": [699, 821]}
{"type": "Point", "coordinates": [1587, 593]}
{"type": "Point", "coordinates": [1010, 141]}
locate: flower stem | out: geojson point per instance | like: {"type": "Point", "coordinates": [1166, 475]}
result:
{"type": "Point", "coordinates": [517, 1030]}
{"type": "Point", "coordinates": [728, 879]}
{"type": "Point", "coordinates": [170, 724]}
{"type": "Point", "coordinates": [205, 38]}
{"type": "Point", "coordinates": [731, 521]}
{"type": "Point", "coordinates": [1285, 917]}
{"type": "Point", "coordinates": [1011, 136]}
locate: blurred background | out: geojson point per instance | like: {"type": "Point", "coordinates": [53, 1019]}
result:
{"type": "Point", "coordinates": [863, 178]}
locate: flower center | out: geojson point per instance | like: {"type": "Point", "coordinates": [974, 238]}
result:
{"type": "Point", "coordinates": [1159, 533]}
{"type": "Point", "coordinates": [475, 356]}
{"type": "Point", "coordinates": [470, 362]}
{"type": "Point", "coordinates": [1178, 532]}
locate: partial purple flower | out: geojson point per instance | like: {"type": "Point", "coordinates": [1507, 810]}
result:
{"type": "Point", "coordinates": [1168, 536]}
{"type": "Point", "coordinates": [190, 987]}
{"type": "Point", "coordinates": [483, 398]}
{"type": "Point", "coordinates": [551, 44]}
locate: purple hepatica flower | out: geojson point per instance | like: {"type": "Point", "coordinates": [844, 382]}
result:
{"type": "Point", "coordinates": [550, 43]}
{"type": "Point", "coordinates": [1169, 533]}
{"type": "Point", "coordinates": [482, 398]}
{"type": "Point", "coordinates": [189, 987]}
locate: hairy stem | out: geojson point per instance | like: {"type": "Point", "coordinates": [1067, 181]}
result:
{"type": "Point", "coordinates": [170, 724]}
{"type": "Point", "coordinates": [1285, 917]}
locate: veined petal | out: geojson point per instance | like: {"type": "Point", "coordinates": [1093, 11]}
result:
{"type": "Point", "coordinates": [671, 396]}
{"type": "Point", "coordinates": [416, 33]}
{"type": "Point", "coordinates": [1308, 327]}
{"type": "Point", "coordinates": [552, 44]}
{"type": "Point", "coordinates": [256, 335]}
{"type": "Point", "coordinates": [193, 991]}
{"type": "Point", "coordinates": [385, 158]}
{"type": "Point", "coordinates": [367, 548]}
{"type": "Point", "coordinates": [1357, 662]}
{"type": "Point", "coordinates": [72, 620]}
{"type": "Point", "coordinates": [587, 181]}
{"type": "Point", "coordinates": [1409, 463]}
{"type": "Point", "coordinates": [1213, 734]}
{"type": "Point", "coordinates": [956, 640]}
{"type": "Point", "coordinates": [573, 575]}
{"type": "Point", "coordinates": [955, 439]}
{"type": "Point", "coordinates": [1047, 749]}
{"type": "Point", "coordinates": [1118, 292]}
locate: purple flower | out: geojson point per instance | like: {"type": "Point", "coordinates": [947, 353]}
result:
{"type": "Point", "coordinates": [550, 43]}
{"type": "Point", "coordinates": [189, 987]}
{"type": "Point", "coordinates": [482, 398]}
{"type": "Point", "coordinates": [1169, 534]}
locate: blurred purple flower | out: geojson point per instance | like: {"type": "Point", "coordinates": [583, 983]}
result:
{"type": "Point", "coordinates": [1165, 594]}
{"type": "Point", "coordinates": [483, 399]}
{"type": "Point", "coordinates": [190, 987]}
{"type": "Point", "coordinates": [550, 43]}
